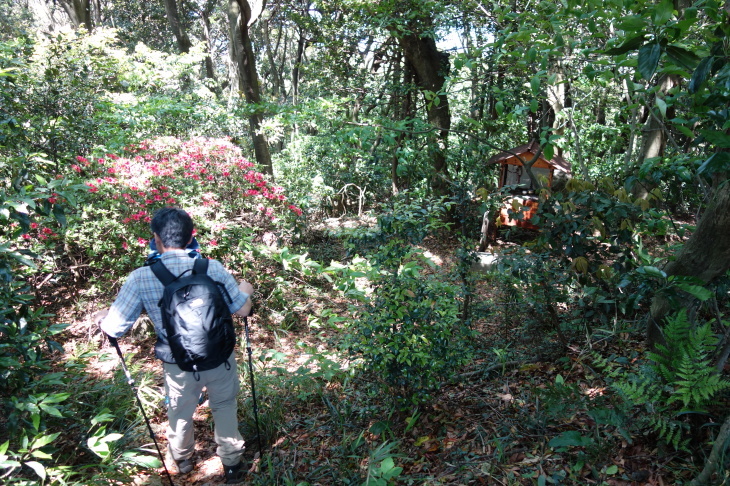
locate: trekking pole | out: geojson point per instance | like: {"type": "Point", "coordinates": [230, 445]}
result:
{"type": "Point", "coordinates": [253, 387]}
{"type": "Point", "coordinates": [130, 380]}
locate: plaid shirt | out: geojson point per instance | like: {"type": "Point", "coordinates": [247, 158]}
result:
{"type": "Point", "coordinates": [143, 290]}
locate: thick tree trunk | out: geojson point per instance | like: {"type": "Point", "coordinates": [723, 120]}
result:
{"type": "Point", "coordinates": [706, 256]}
{"type": "Point", "coordinates": [81, 12]}
{"type": "Point", "coordinates": [431, 67]}
{"type": "Point", "coordinates": [173, 18]}
{"type": "Point", "coordinates": [248, 13]}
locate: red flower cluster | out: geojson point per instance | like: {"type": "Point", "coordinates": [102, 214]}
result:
{"type": "Point", "coordinates": [42, 233]}
{"type": "Point", "coordinates": [203, 172]}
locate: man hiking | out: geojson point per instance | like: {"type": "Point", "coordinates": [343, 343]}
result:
{"type": "Point", "coordinates": [173, 231]}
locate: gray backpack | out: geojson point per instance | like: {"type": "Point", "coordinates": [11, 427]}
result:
{"type": "Point", "coordinates": [196, 318]}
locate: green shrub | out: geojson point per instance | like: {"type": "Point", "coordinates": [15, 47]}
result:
{"type": "Point", "coordinates": [407, 328]}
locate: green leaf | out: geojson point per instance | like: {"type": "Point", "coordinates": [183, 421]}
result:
{"type": "Point", "coordinates": [629, 45]}
{"type": "Point", "coordinates": [142, 460]}
{"type": "Point", "coordinates": [60, 215]}
{"type": "Point", "coordinates": [535, 85]}
{"type": "Point", "coordinates": [44, 440]}
{"type": "Point", "coordinates": [699, 76]}
{"type": "Point", "coordinates": [651, 271]}
{"type": "Point", "coordinates": [9, 464]}
{"type": "Point", "coordinates": [39, 454]}
{"type": "Point", "coordinates": [718, 138]}
{"type": "Point", "coordinates": [718, 162]}
{"type": "Point", "coordinates": [662, 105]}
{"type": "Point", "coordinates": [499, 106]}
{"type": "Point", "coordinates": [571, 438]}
{"type": "Point", "coordinates": [549, 151]}
{"type": "Point", "coordinates": [682, 56]}
{"type": "Point", "coordinates": [57, 397]}
{"type": "Point", "coordinates": [38, 468]}
{"type": "Point", "coordinates": [50, 410]}
{"type": "Point", "coordinates": [649, 59]}
{"type": "Point", "coordinates": [387, 464]}
{"type": "Point", "coordinates": [611, 470]}
{"type": "Point", "coordinates": [663, 12]}
{"type": "Point", "coordinates": [685, 131]}
{"type": "Point", "coordinates": [111, 437]}
{"type": "Point", "coordinates": [634, 23]}
{"type": "Point", "coordinates": [695, 291]}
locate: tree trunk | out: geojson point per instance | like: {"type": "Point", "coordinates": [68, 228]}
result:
{"type": "Point", "coordinates": [718, 456]}
{"type": "Point", "coordinates": [706, 256]}
{"type": "Point", "coordinates": [431, 67]}
{"type": "Point", "coordinates": [654, 139]}
{"type": "Point", "coordinates": [297, 65]}
{"type": "Point", "coordinates": [173, 17]}
{"type": "Point", "coordinates": [277, 81]}
{"type": "Point", "coordinates": [80, 12]}
{"type": "Point", "coordinates": [245, 13]}
{"type": "Point", "coordinates": [205, 23]}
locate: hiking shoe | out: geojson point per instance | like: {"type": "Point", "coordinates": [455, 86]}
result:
{"type": "Point", "coordinates": [182, 466]}
{"type": "Point", "coordinates": [234, 474]}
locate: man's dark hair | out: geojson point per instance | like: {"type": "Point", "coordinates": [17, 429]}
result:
{"type": "Point", "coordinates": [174, 227]}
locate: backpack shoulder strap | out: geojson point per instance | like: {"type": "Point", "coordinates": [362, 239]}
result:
{"type": "Point", "coordinates": [200, 267]}
{"type": "Point", "coordinates": [162, 273]}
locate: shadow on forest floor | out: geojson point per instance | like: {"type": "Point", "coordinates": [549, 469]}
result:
{"type": "Point", "coordinates": [490, 425]}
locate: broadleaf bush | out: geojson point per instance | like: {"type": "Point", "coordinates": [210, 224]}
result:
{"type": "Point", "coordinates": [407, 328]}
{"type": "Point", "coordinates": [228, 199]}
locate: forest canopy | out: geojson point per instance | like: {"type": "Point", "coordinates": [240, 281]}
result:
{"type": "Point", "coordinates": [425, 314]}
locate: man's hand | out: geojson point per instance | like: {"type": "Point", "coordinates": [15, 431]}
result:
{"type": "Point", "coordinates": [99, 316]}
{"type": "Point", "coordinates": [246, 288]}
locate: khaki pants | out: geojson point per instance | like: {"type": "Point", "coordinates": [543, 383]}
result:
{"type": "Point", "coordinates": [183, 390]}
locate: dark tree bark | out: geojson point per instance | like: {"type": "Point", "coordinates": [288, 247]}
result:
{"type": "Point", "coordinates": [178, 30]}
{"type": "Point", "coordinates": [706, 256]}
{"type": "Point", "coordinates": [297, 67]}
{"type": "Point", "coordinates": [205, 23]}
{"type": "Point", "coordinates": [242, 14]}
{"type": "Point", "coordinates": [431, 67]}
{"type": "Point", "coordinates": [82, 12]}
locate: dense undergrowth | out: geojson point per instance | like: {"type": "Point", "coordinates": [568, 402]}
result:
{"type": "Point", "coordinates": [381, 356]}
{"type": "Point", "coordinates": [395, 363]}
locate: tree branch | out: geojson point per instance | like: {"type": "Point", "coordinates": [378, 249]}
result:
{"type": "Point", "coordinates": [717, 455]}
